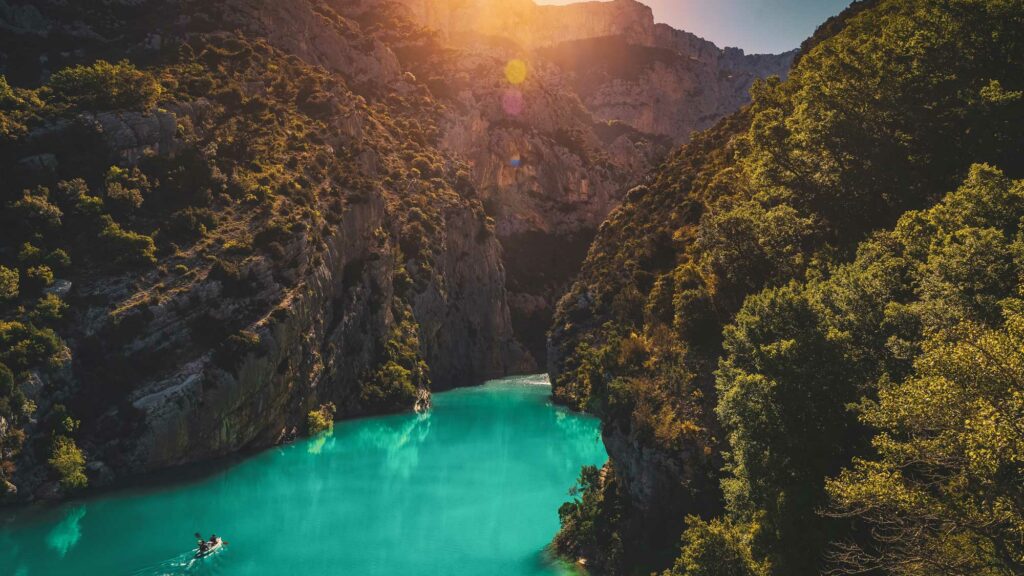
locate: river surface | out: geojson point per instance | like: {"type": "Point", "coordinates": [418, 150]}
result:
{"type": "Point", "coordinates": [470, 488]}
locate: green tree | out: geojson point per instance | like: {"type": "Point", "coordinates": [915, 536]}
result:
{"type": "Point", "coordinates": [68, 462]}
{"type": "Point", "coordinates": [716, 548]}
{"type": "Point", "coordinates": [126, 189]}
{"type": "Point", "coordinates": [9, 279]}
{"type": "Point", "coordinates": [127, 247]}
{"type": "Point", "coordinates": [783, 392]}
{"type": "Point", "coordinates": [589, 521]}
{"type": "Point", "coordinates": [321, 419]}
{"type": "Point", "coordinates": [944, 494]}
{"type": "Point", "coordinates": [104, 86]}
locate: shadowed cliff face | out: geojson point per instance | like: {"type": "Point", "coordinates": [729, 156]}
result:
{"type": "Point", "coordinates": [331, 254]}
{"type": "Point", "coordinates": [604, 94]}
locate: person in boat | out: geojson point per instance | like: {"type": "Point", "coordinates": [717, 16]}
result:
{"type": "Point", "coordinates": [213, 540]}
{"type": "Point", "coordinates": [201, 542]}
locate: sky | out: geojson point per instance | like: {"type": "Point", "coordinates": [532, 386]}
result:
{"type": "Point", "coordinates": [757, 26]}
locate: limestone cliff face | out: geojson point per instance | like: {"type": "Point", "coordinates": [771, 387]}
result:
{"type": "Point", "coordinates": [607, 92]}
{"type": "Point", "coordinates": [532, 26]}
{"type": "Point", "coordinates": [314, 345]}
{"type": "Point", "coordinates": [226, 346]}
{"type": "Point", "coordinates": [622, 65]}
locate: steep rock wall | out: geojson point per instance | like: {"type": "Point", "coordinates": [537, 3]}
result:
{"type": "Point", "coordinates": [605, 95]}
{"type": "Point", "coordinates": [226, 343]}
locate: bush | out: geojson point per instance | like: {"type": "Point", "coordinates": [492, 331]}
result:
{"type": "Point", "coordinates": [12, 399]}
{"type": "Point", "coordinates": [391, 386]}
{"type": "Point", "coordinates": [276, 232]}
{"type": "Point", "coordinates": [23, 345]}
{"type": "Point", "coordinates": [189, 224]}
{"type": "Point", "coordinates": [126, 189]}
{"type": "Point", "coordinates": [715, 548]}
{"type": "Point", "coordinates": [9, 281]}
{"type": "Point", "coordinates": [105, 86]}
{"type": "Point", "coordinates": [321, 419]}
{"type": "Point", "coordinates": [58, 259]}
{"type": "Point", "coordinates": [68, 462]}
{"type": "Point", "coordinates": [34, 213]}
{"type": "Point", "coordinates": [49, 309]}
{"type": "Point", "coordinates": [28, 253]}
{"type": "Point", "coordinates": [126, 247]}
{"type": "Point", "coordinates": [588, 521]}
{"type": "Point", "coordinates": [37, 278]}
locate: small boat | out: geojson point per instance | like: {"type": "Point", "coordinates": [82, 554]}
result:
{"type": "Point", "coordinates": [210, 550]}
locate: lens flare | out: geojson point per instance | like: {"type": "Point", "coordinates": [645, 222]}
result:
{"type": "Point", "coordinates": [512, 102]}
{"type": "Point", "coordinates": [515, 72]}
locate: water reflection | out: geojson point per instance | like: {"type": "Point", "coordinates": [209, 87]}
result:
{"type": "Point", "coordinates": [470, 489]}
{"type": "Point", "coordinates": [400, 439]}
{"type": "Point", "coordinates": [574, 428]}
{"type": "Point", "coordinates": [317, 444]}
{"type": "Point", "coordinates": [67, 532]}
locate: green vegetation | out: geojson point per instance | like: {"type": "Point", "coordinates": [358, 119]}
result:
{"type": "Point", "coordinates": [590, 521]}
{"type": "Point", "coordinates": [321, 419]}
{"type": "Point", "coordinates": [715, 548]}
{"type": "Point", "coordinates": [69, 463]}
{"type": "Point", "coordinates": [258, 159]}
{"type": "Point", "coordinates": [743, 301]}
{"type": "Point", "coordinates": [104, 86]}
{"type": "Point", "coordinates": [402, 373]}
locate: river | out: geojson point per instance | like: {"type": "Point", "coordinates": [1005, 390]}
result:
{"type": "Point", "coordinates": [470, 488]}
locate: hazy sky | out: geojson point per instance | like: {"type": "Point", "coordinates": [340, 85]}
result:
{"type": "Point", "coordinates": [754, 25]}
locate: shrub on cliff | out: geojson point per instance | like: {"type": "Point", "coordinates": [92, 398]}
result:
{"type": "Point", "coordinates": [391, 386]}
{"type": "Point", "coordinates": [125, 190]}
{"type": "Point", "coordinates": [590, 522]}
{"type": "Point", "coordinates": [104, 86]}
{"type": "Point", "coordinates": [321, 419]}
{"type": "Point", "coordinates": [24, 346]}
{"type": "Point", "coordinates": [395, 384]}
{"type": "Point", "coordinates": [716, 548]}
{"type": "Point", "coordinates": [68, 462]}
{"type": "Point", "coordinates": [9, 282]}
{"type": "Point", "coordinates": [48, 310]}
{"type": "Point", "coordinates": [127, 248]}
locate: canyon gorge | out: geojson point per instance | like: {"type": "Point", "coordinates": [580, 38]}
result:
{"type": "Point", "coordinates": [779, 295]}
{"type": "Point", "coordinates": [448, 181]}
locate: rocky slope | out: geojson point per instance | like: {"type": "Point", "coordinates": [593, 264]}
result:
{"type": "Point", "coordinates": [332, 256]}
{"type": "Point", "coordinates": [559, 110]}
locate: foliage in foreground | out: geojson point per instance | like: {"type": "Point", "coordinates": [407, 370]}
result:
{"type": "Point", "coordinates": [728, 268]}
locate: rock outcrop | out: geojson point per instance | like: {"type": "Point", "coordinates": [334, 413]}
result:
{"type": "Point", "coordinates": [604, 94]}
{"type": "Point", "coordinates": [227, 343]}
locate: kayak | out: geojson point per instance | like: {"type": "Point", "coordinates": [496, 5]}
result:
{"type": "Point", "coordinates": [217, 545]}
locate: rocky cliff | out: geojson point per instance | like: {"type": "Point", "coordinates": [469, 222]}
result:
{"type": "Point", "coordinates": [307, 247]}
{"type": "Point", "coordinates": [270, 208]}
{"type": "Point", "coordinates": [600, 94]}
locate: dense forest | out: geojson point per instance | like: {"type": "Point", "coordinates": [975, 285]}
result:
{"type": "Point", "coordinates": [803, 331]}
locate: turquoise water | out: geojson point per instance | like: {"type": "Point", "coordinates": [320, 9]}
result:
{"type": "Point", "coordinates": [471, 488]}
